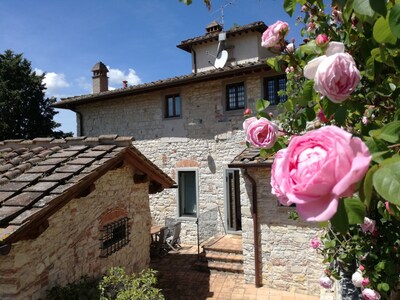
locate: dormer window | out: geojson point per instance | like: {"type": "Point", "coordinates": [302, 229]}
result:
{"type": "Point", "coordinates": [235, 98]}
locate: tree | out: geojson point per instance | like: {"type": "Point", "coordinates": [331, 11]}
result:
{"type": "Point", "coordinates": [25, 112]}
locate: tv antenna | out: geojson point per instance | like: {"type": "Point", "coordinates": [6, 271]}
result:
{"type": "Point", "coordinates": [222, 9]}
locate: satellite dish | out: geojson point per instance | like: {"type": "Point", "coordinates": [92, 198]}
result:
{"type": "Point", "coordinates": [221, 59]}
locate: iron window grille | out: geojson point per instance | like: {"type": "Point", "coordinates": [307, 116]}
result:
{"type": "Point", "coordinates": [271, 88]}
{"type": "Point", "coordinates": [114, 236]}
{"type": "Point", "coordinates": [172, 106]}
{"type": "Point", "coordinates": [235, 97]}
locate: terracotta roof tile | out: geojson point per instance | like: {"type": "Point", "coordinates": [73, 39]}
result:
{"type": "Point", "coordinates": [23, 217]}
{"type": "Point", "coordinates": [41, 187]}
{"type": "Point", "coordinates": [227, 71]}
{"type": "Point", "coordinates": [23, 199]}
{"type": "Point", "coordinates": [36, 175]}
{"type": "Point", "coordinates": [250, 157]}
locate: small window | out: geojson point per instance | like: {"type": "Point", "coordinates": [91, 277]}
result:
{"type": "Point", "coordinates": [235, 96]}
{"type": "Point", "coordinates": [115, 235]}
{"type": "Point", "coordinates": [187, 193]}
{"type": "Point", "coordinates": [172, 106]}
{"type": "Point", "coordinates": [271, 88]}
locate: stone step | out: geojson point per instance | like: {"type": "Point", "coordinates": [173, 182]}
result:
{"type": "Point", "coordinates": [219, 267]}
{"type": "Point", "coordinates": [222, 257]}
{"type": "Point", "coordinates": [215, 248]}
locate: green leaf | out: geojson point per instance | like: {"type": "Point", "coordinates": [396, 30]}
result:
{"type": "Point", "coordinates": [309, 48]}
{"type": "Point", "coordinates": [394, 20]}
{"type": "Point", "coordinates": [379, 6]}
{"type": "Point", "coordinates": [310, 113]}
{"type": "Point", "coordinates": [367, 185]}
{"type": "Point", "coordinates": [382, 32]}
{"type": "Point", "coordinates": [341, 115]}
{"type": "Point", "coordinates": [271, 62]}
{"type": "Point", "coordinates": [261, 104]}
{"type": "Point", "coordinates": [340, 220]}
{"type": "Point", "coordinates": [289, 6]}
{"type": "Point", "coordinates": [363, 7]}
{"type": "Point", "coordinates": [386, 181]}
{"type": "Point", "coordinates": [383, 287]}
{"type": "Point", "coordinates": [308, 88]}
{"type": "Point", "coordinates": [355, 210]}
{"type": "Point", "coordinates": [389, 132]}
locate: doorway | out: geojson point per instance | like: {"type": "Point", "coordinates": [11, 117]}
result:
{"type": "Point", "coordinates": [232, 200]}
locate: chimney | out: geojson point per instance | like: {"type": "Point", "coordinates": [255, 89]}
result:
{"type": "Point", "coordinates": [100, 79]}
{"type": "Point", "coordinates": [124, 84]}
{"type": "Point", "coordinates": [213, 27]}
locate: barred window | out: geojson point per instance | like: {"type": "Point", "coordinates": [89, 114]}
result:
{"type": "Point", "coordinates": [271, 88]}
{"type": "Point", "coordinates": [114, 236]}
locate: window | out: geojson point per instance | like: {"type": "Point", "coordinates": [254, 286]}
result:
{"type": "Point", "coordinates": [187, 193]}
{"type": "Point", "coordinates": [115, 235]}
{"type": "Point", "coordinates": [172, 106]}
{"type": "Point", "coordinates": [271, 88]}
{"type": "Point", "coordinates": [235, 96]}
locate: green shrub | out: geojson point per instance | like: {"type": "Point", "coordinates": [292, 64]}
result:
{"type": "Point", "coordinates": [120, 286]}
{"type": "Point", "coordinates": [115, 285]}
{"type": "Point", "coordinates": [85, 289]}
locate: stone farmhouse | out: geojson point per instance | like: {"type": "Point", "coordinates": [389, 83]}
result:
{"type": "Point", "coordinates": [70, 208]}
{"type": "Point", "coordinates": [191, 127]}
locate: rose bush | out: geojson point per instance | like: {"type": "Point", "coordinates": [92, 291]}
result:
{"type": "Point", "coordinates": [339, 158]}
{"type": "Point", "coordinates": [345, 77]}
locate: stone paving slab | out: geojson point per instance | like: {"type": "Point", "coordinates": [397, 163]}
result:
{"type": "Point", "coordinates": [180, 281]}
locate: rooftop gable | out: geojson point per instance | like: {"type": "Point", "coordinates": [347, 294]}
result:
{"type": "Point", "coordinates": [38, 177]}
{"type": "Point", "coordinates": [258, 26]}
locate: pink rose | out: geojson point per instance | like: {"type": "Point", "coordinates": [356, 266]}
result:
{"type": "Point", "coordinates": [290, 48]}
{"type": "Point", "coordinates": [315, 243]}
{"type": "Point", "coordinates": [326, 282]}
{"type": "Point", "coordinates": [365, 281]}
{"type": "Point", "coordinates": [321, 40]}
{"type": "Point", "coordinates": [317, 169]}
{"type": "Point", "coordinates": [278, 160]}
{"type": "Point", "coordinates": [260, 133]}
{"type": "Point", "coordinates": [369, 294]}
{"type": "Point", "coordinates": [335, 74]}
{"type": "Point", "coordinates": [368, 225]}
{"type": "Point", "coordinates": [274, 35]}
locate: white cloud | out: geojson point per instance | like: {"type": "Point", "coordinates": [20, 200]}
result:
{"type": "Point", "coordinates": [116, 77]}
{"type": "Point", "coordinates": [83, 83]}
{"type": "Point", "coordinates": [54, 82]}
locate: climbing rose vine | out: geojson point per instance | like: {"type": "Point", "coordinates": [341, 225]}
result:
{"type": "Point", "coordinates": [336, 144]}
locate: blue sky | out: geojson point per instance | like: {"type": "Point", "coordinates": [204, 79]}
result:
{"type": "Point", "coordinates": [136, 39]}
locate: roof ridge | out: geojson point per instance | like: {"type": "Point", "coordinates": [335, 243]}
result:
{"type": "Point", "coordinates": [111, 139]}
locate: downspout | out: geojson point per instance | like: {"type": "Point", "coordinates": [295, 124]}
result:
{"type": "Point", "coordinates": [254, 209]}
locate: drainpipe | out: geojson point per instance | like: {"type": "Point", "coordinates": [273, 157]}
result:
{"type": "Point", "coordinates": [255, 228]}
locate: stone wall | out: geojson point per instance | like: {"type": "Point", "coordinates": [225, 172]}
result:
{"type": "Point", "coordinates": [205, 137]}
{"type": "Point", "coordinates": [287, 260]}
{"type": "Point", "coordinates": [70, 247]}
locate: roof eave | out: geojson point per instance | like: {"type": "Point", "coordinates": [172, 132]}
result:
{"type": "Point", "coordinates": [70, 104]}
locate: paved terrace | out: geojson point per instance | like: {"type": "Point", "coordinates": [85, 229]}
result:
{"type": "Point", "coordinates": [180, 281]}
